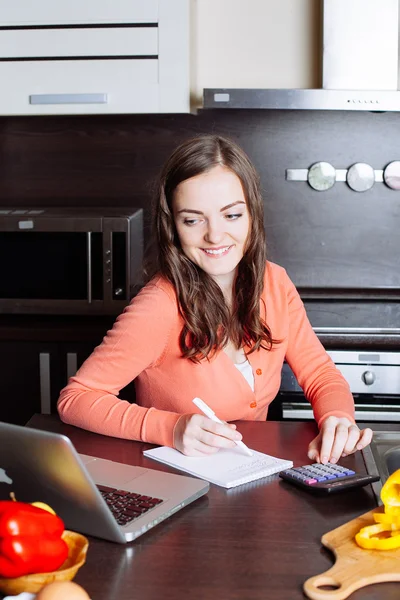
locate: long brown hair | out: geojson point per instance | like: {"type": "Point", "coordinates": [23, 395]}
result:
{"type": "Point", "coordinates": [208, 322]}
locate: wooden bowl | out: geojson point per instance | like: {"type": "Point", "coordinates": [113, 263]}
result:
{"type": "Point", "coordinates": [77, 549]}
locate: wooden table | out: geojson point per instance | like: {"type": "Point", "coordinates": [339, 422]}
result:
{"type": "Point", "coordinates": [257, 541]}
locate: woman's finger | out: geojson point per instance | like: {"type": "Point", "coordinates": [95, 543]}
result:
{"type": "Point", "coordinates": [365, 438]}
{"type": "Point", "coordinates": [221, 430]}
{"type": "Point", "coordinates": [339, 442]}
{"type": "Point", "coordinates": [199, 449]}
{"type": "Point", "coordinates": [313, 449]}
{"type": "Point", "coordinates": [204, 449]}
{"type": "Point", "coordinates": [327, 439]}
{"type": "Point", "coordinates": [353, 437]}
{"type": "Point", "coordinates": [217, 441]}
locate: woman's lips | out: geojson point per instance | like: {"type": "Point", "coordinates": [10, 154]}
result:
{"type": "Point", "coordinates": [216, 252]}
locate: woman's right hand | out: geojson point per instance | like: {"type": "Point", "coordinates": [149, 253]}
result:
{"type": "Point", "coordinates": [196, 435]}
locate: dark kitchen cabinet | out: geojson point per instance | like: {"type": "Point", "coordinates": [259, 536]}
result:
{"type": "Point", "coordinates": [58, 362]}
{"type": "Point", "coordinates": [32, 375]}
{"type": "Point", "coordinates": [20, 382]}
{"type": "Point", "coordinates": [38, 355]}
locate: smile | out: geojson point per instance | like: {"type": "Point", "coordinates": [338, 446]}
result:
{"type": "Point", "coordinates": [217, 251]}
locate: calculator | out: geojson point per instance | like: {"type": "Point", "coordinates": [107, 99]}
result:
{"type": "Point", "coordinates": [326, 479]}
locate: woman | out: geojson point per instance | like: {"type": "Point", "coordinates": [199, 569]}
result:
{"type": "Point", "coordinates": [214, 321]}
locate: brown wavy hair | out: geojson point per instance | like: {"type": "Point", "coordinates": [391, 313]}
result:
{"type": "Point", "coordinates": [209, 324]}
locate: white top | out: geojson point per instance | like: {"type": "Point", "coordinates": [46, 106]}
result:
{"type": "Point", "coordinates": [247, 372]}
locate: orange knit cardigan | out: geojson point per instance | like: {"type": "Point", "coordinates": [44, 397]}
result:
{"type": "Point", "coordinates": [144, 345]}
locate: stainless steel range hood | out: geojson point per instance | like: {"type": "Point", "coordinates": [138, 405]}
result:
{"type": "Point", "coordinates": [359, 64]}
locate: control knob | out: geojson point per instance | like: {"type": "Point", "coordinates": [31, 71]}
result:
{"type": "Point", "coordinates": [368, 377]}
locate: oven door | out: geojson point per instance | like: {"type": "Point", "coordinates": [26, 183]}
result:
{"type": "Point", "coordinates": [374, 379]}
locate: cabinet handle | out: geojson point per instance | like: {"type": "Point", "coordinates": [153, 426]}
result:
{"type": "Point", "coordinates": [44, 372]}
{"type": "Point", "coordinates": [68, 99]}
{"type": "Point", "coordinates": [72, 364]}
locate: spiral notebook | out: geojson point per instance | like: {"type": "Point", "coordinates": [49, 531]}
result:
{"type": "Point", "coordinates": [227, 468]}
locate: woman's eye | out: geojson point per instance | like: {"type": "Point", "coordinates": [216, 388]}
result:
{"type": "Point", "coordinates": [190, 221]}
{"type": "Point", "coordinates": [234, 217]}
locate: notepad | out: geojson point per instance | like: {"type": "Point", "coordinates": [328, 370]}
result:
{"type": "Point", "coordinates": [227, 468]}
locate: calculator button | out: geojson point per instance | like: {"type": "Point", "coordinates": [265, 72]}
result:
{"type": "Point", "coordinates": [306, 472]}
{"type": "Point", "coordinates": [318, 475]}
{"type": "Point", "coordinates": [312, 469]}
{"type": "Point", "coordinates": [310, 481]}
{"type": "Point", "coordinates": [295, 475]}
{"type": "Point", "coordinates": [339, 469]}
{"type": "Point", "coordinates": [332, 474]}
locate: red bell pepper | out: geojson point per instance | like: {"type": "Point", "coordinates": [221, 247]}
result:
{"type": "Point", "coordinates": [30, 540]}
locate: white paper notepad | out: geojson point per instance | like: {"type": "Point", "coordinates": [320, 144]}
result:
{"type": "Point", "coordinates": [227, 468]}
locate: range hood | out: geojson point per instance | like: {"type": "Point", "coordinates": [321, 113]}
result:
{"type": "Point", "coordinates": [359, 64]}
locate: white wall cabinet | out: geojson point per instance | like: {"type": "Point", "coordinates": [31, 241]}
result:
{"type": "Point", "coordinates": [96, 56]}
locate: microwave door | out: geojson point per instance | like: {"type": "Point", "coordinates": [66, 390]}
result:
{"type": "Point", "coordinates": [52, 267]}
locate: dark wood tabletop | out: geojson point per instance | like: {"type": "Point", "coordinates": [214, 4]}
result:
{"type": "Point", "coordinates": [257, 541]}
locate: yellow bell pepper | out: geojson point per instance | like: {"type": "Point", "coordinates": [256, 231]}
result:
{"type": "Point", "coordinates": [44, 507]}
{"type": "Point", "coordinates": [387, 518]}
{"type": "Point", "coordinates": [393, 511]}
{"type": "Point", "coordinates": [367, 537]}
{"type": "Point", "coordinates": [388, 522]}
{"type": "Point", "coordinates": [390, 494]}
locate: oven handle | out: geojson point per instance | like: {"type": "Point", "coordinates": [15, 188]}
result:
{"type": "Point", "coordinates": [89, 265]}
{"type": "Point", "coordinates": [296, 411]}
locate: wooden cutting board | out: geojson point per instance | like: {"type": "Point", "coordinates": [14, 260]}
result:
{"type": "Point", "coordinates": [355, 567]}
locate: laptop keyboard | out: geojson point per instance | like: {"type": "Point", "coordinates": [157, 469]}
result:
{"type": "Point", "coordinates": [127, 506]}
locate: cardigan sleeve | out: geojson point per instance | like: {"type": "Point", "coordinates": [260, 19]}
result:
{"type": "Point", "coordinates": [136, 342]}
{"type": "Point", "coordinates": [323, 384]}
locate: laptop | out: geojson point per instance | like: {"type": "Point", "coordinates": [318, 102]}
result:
{"type": "Point", "coordinates": [94, 496]}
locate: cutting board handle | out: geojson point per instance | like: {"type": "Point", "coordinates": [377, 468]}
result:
{"type": "Point", "coordinates": [338, 577]}
{"type": "Point", "coordinates": [355, 567]}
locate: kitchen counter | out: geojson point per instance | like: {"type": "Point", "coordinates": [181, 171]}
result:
{"type": "Point", "coordinates": [260, 540]}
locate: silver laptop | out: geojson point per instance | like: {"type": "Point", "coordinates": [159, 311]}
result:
{"type": "Point", "coordinates": [42, 466]}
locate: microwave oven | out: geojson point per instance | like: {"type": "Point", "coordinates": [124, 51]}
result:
{"type": "Point", "coordinates": [69, 261]}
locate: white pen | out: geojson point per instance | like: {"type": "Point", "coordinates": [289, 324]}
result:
{"type": "Point", "coordinates": [211, 415]}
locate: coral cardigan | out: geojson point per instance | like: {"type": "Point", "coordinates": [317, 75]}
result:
{"type": "Point", "coordinates": [144, 345]}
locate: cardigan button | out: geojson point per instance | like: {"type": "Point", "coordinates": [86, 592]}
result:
{"type": "Point", "coordinates": [253, 405]}
{"type": "Point", "coordinates": [259, 371]}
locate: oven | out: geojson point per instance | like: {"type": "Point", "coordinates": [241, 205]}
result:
{"type": "Point", "coordinates": [374, 379]}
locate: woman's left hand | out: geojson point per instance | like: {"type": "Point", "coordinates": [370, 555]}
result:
{"type": "Point", "coordinates": [338, 437]}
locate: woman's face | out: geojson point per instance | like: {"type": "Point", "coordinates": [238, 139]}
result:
{"type": "Point", "coordinates": [212, 222]}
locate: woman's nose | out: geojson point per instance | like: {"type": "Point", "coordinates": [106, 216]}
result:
{"type": "Point", "coordinates": [214, 233]}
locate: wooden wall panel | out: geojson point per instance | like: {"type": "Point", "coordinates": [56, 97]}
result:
{"type": "Point", "coordinates": [334, 240]}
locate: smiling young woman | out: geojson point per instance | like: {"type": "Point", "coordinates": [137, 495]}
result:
{"type": "Point", "coordinates": [207, 182]}
{"type": "Point", "coordinates": [216, 320]}
{"type": "Point", "coordinates": [212, 223]}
